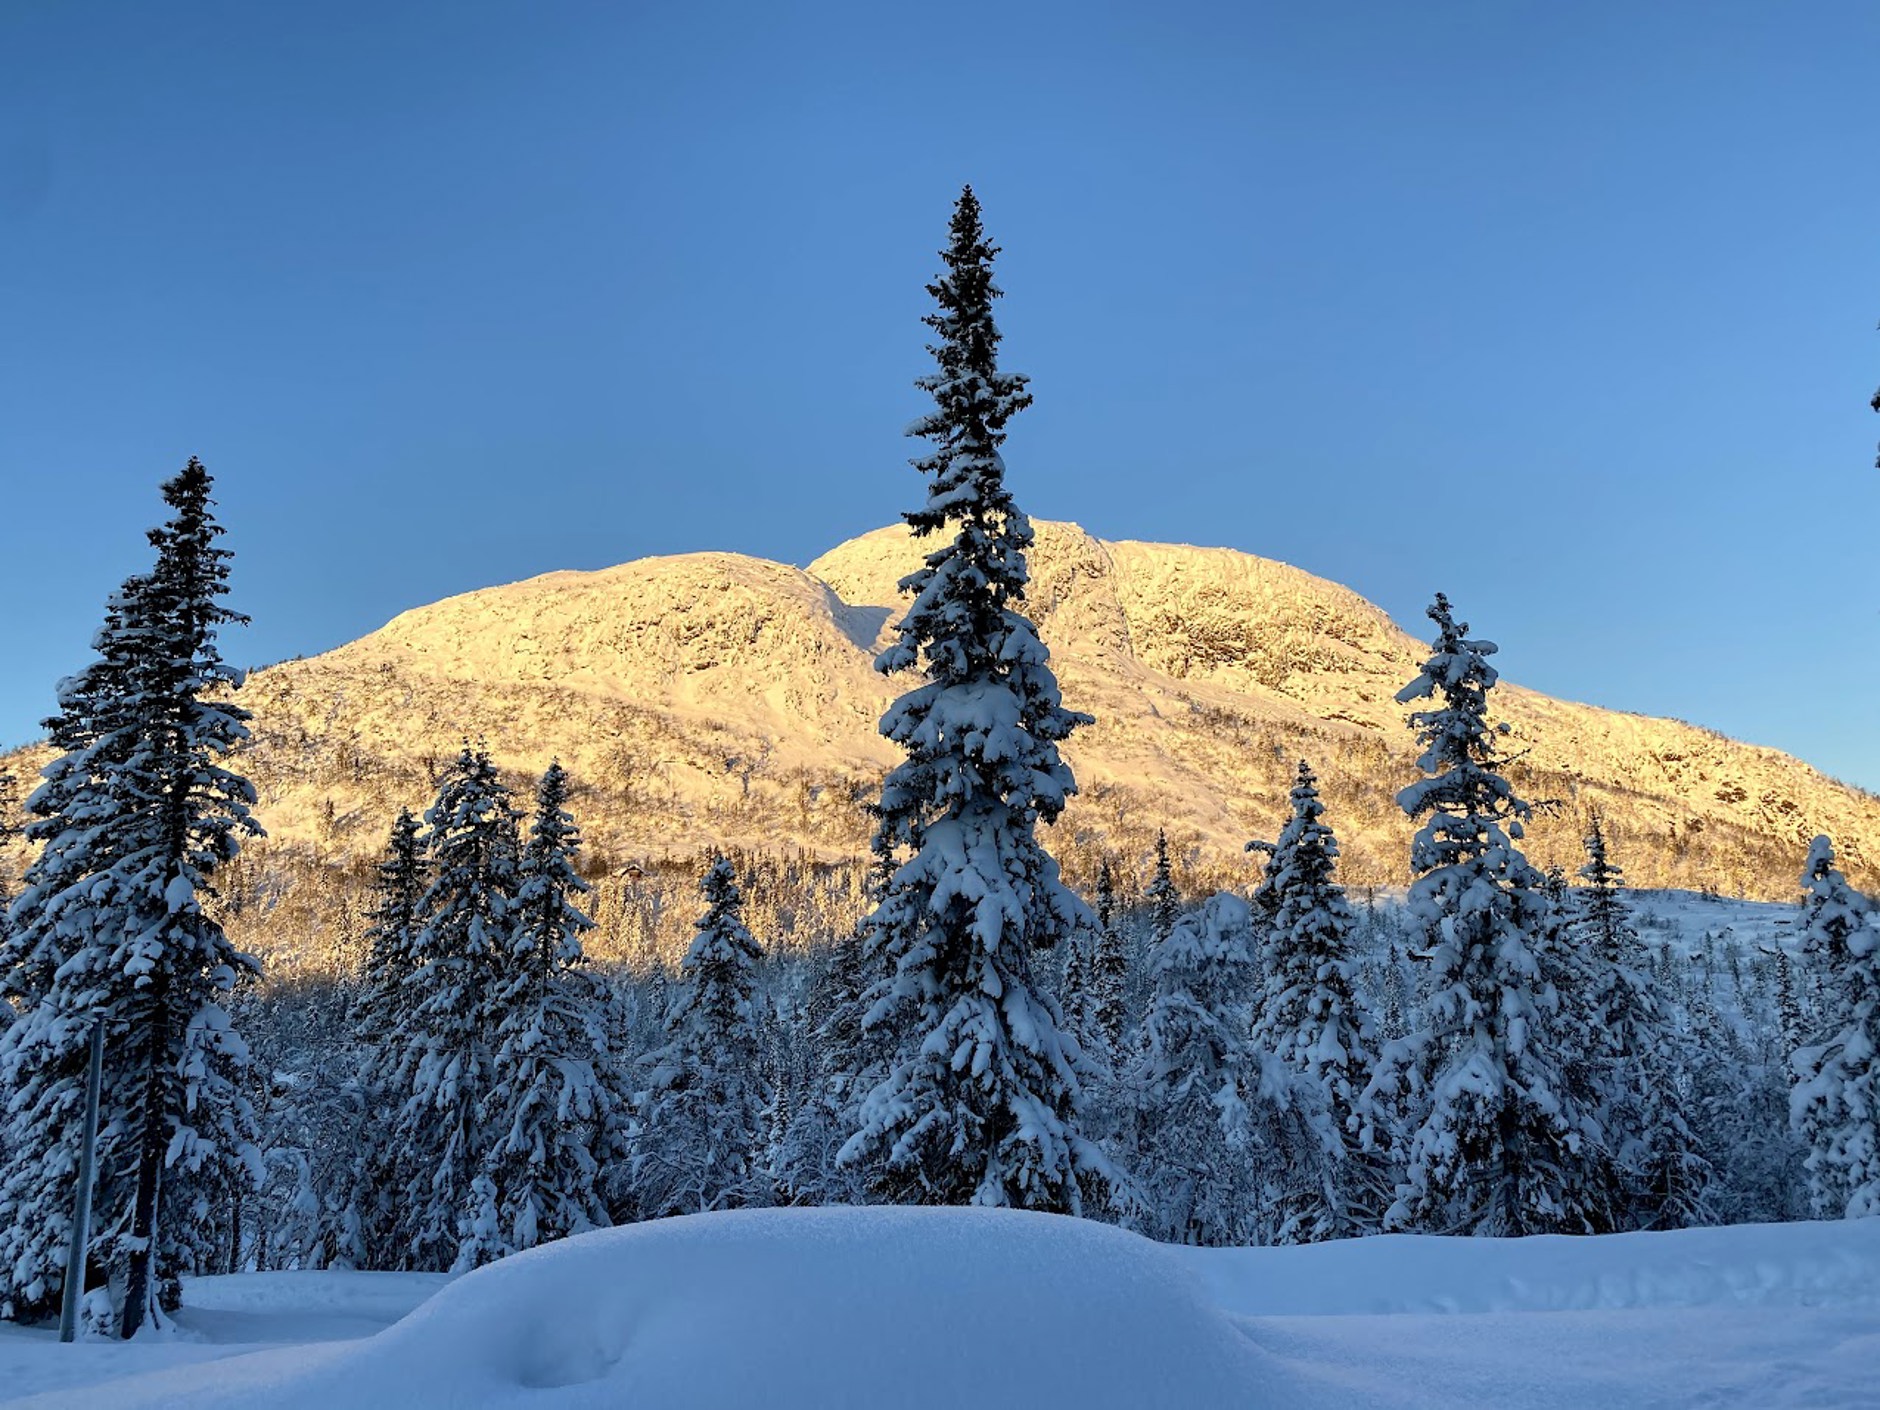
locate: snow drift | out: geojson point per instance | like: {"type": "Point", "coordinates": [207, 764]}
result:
{"type": "Point", "coordinates": [920, 1309]}
{"type": "Point", "coordinates": [910, 1308]}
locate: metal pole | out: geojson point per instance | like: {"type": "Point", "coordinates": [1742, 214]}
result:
{"type": "Point", "coordinates": [74, 1290]}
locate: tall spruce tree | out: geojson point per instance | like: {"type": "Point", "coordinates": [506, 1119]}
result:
{"type": "Point", "coordinates": [43, 1063]}
{"type": "Point", "coordinates": [445, 1045]}
{"type": "Point", "coordinates": [396, 916]}
{"type": "Point", "coordinates": [1502, 1147]}
{"type": "Point", "coordinates": [1632, 1043]}
{"type": "Point", "coordinates": [1074, 988]}
{"type": "Point", "coordinates": [549, 1103]}
{"type": "Point", "coordinates": [1791, 1029]}
{"type": "Point", "coordinates": [1109, 968]}
{"type": "Point", "coordinates": [1160, 896]}
{"type": "Point", "coordinates": [981, 1102]}
{"type": "Point", "coordinates": [1835, 1104]}
{"type": "Point", "coordinates": [9, 830]}
{"type": "Point", "coordinates": [135, 816]}
{"type": "Point", "coordinates": [1576, 978]}
{"type": "Point", "coordinates": [362, 1223]}
{"type": "Point", "coordinates": [1307, 1013]}
{"type": "Point", "coordinates": [700, 1131]}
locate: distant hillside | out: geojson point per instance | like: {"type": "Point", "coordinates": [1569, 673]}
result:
{"type": "Point", "coordinates": [716, 700]}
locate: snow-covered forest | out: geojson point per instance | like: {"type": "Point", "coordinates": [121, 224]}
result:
{"type": "Point", "coordinates": [1502, 1050]}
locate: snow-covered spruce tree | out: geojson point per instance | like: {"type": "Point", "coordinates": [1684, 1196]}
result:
{"type": "Point", "coordinates": [1791, 1030]}
{"type": "Point", "coordinates": [1307, 1013]}
{"type": "Point", "coordinates": [396, 916]}
{"type": "Point", "coordinates": [1739, 1109]}
{"type": "Point", "coordinates": [981, 1102]}
{"type": "Point", "coordinates": [361, 1224]}
{"type": "Point", "coordinates": [1501, 1147]}
{"type": "Point", "coordinates": [444, 1043]}
{"type": "Point", "coordinates": [1075, 986]}
{"type": "Point", "coordinates": [1160, 897]}
{"type": "Point", "coordinates": [43, 1063]}
{"type": "Point", "coordinates": [1835, 1104]}
{"type": "Point", "coordinates": [133, 819]}
{"type": "Point", "coordinates": [549, 1101]}
{"type": "Point", "coordinates": [311, 1111]}
{"type": "Point", "coordinates": [847, 1064]}
{"type": "Point", "coordinates": [1604, 920]}
{"type": "Point", "coordinates": [1635, 1051]}
{"type": "Point", "coordinates": [1226, 1151]}
{"type": "Point", "coordinates": [9, 829]}
{"type": "Point", "coordinates": [1109, 969]}
{"type": "Point", "coordinates": [786, 1075]}
{"type": "Point", "coordinates": [699, 1133]}
{"type": "Point", "coordinates": [1393, 1003]}
{"type": "Point", "coordinates": [1576, 978]}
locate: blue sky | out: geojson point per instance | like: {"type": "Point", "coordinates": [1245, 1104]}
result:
{"type": "Point", "coordinates": [1567, 311]}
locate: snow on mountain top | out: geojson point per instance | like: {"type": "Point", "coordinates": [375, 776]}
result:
{"type": "Point", "coordinates": [716, 700]}
{"type": "Point", "coordinates": [922, 1308]}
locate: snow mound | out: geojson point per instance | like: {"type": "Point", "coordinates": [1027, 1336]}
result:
{"type": "Point", "coordinates": [821, 1309]}
{"type": "Point", "coordinates": [907, 1308]}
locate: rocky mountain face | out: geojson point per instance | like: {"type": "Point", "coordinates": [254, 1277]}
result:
{"type": "Point", "coordinates": [717, 700]}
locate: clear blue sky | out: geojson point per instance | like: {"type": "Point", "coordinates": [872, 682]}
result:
{"type": "Point", "coordinates": [1566, 310]}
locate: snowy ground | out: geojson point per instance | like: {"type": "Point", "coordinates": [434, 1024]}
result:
{"type": "Point", "coordinates": [814, 1309]}
{"type": "Point", "coordinates": [220, 1317]}
{"type": "Point", "coordinates": [1692, 921]}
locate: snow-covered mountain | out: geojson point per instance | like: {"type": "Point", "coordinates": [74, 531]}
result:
{"type": "Point", "coordinates": [712, 698]}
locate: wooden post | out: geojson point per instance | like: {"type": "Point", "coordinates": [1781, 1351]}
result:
{"type": "Point", "coordinates": [74, 1290]}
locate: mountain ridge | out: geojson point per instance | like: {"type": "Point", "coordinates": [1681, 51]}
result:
{"type": "Point", "coordinates": [713, 699]}
{"type": "Point", "coordinates": [781, 657]}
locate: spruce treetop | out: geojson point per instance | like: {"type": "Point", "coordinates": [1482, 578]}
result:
{"type": "Point", "coordinates": [1600, 870]}
{"type": "Point", "coordinates": [1603, 912]}
{"type": "Point", "coordinates": [723, 954]}
{"type": "Point", "coordinates": [550, 922]}
{"type": "Point", "coordinates": [1835, 917]}
{"type": "Point", "coordinates": [1306, 853]}
{"type": "Point", "coordinates": [1164, 901]}
{"type": "Point", "coordinates": [973, 398]}
{"type": "Point", "coordinates": [1109, 965]}
{"type": "Point", "coordinates": [400, 889]}
{"type": "Point", "coordinates": [472, 841]}
{"type": "Point", "coordinates": [1465, 792]}
{"type": "Point", "coordinates": [396, 914]}
{"type": "Point", "coordinates": [191, 573]}
{"type": "Point", "coordinates": [960, 626]}
{"type": "Point", "coordinates": [1307, 991]}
